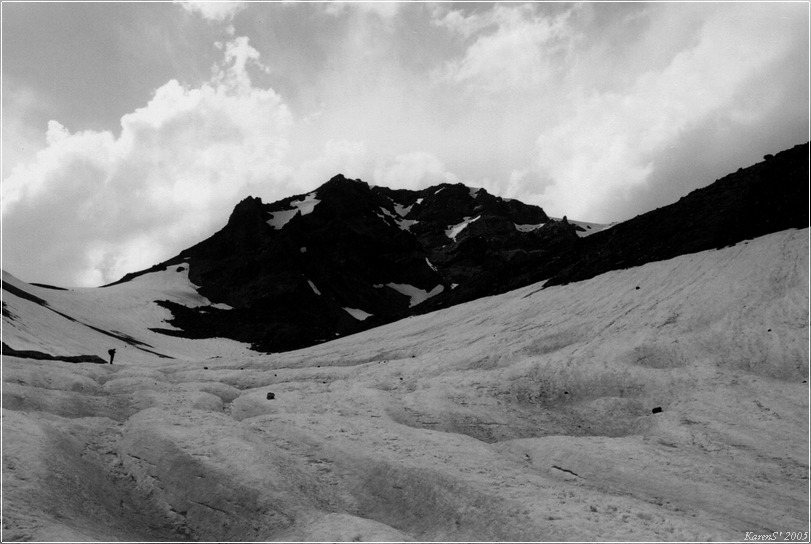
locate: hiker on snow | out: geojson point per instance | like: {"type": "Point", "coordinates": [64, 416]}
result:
{"type": "Point", "coordinates": [112, 354]}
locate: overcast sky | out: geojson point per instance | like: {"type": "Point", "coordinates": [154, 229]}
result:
{"type": "Point", "coordinates": [130, 130]}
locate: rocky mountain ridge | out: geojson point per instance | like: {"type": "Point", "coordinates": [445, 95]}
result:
{"type": "Point", "coordinates": [350, 256]}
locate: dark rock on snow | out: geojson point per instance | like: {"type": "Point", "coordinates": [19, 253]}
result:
{"type": "Point", "coordinates": [42, 356]}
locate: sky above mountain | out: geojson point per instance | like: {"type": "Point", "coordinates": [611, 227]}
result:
{"type": "Point", "coordinates": [130, 130]}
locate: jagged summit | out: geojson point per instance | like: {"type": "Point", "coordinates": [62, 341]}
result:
{"type": "Point", "coordinates": [348, 256]}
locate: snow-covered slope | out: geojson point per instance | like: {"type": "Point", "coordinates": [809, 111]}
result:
{"type": "Point", "coordinates": [663, 402]}
{"type": "Point", "coordinates": [92, 321]}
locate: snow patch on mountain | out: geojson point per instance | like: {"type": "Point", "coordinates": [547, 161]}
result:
{"type": "Point", "coordinates": [406, 224]}
{"type": "Point", "coordinates": [314, 288]}
{"type": "Point", "coordinates": [416, 294]}
{"type": "Point", "coordinates": [306, 205]}
{"type": "Point", "coordinates": [386, 216]}
{"type": "Point", "coordinates": [453, 232]}
{"type": "Point", "coordinates": [403, 224]}
{"type": "Point", "coordinates": [401, 210]}
{"type": "Point", "coordinates": [360, 315]}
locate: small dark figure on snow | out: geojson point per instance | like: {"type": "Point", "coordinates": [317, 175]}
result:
{"type": "Point", "coordinates": [112, 355]}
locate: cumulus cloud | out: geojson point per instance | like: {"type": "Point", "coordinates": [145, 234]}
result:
{"type": "Point", "coordinates": [214, 11]}
{"type": "Point", "coordinates": [99, 205]}
{"type": "Point", "coordinates": [587, 100]}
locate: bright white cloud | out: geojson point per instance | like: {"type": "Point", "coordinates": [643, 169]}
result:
{"type": "Point", "coordinates": [99, 206]}
{"type": "Point", "coordinates": [413, 171]}
{"type": "Point", "coordinates": [214, 11]}
{"type": "Point", "coordinates": [350, 158]}
{"type": "Point", "coordinates": [514, 47]}
{"type": "Point", "coordinates": [603, 95]}
{"type": "Point", "coordinates": [605, 144]}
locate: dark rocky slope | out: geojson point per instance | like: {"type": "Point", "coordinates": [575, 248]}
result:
{"type": "Point", "coordinates": [767, 197]}
{"type": "Point", "coordinates": [296, 272]}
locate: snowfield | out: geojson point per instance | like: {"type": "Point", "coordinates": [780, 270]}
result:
{"type": "Point", "coordinates": [664, 402]}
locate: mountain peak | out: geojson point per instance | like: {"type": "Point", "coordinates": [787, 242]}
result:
{"type": "Point", "coordinates": [247, 213]}
{"type": "Point", "coordinates": [340, 179]}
